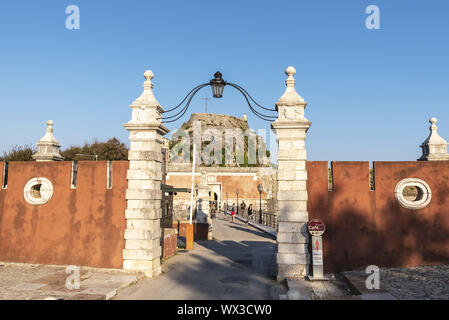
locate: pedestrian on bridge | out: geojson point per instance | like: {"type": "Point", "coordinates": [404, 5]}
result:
{"type": "Point", "coordinates": [242, 208]}
{"type": "Point", "coordinates": [250, 212]}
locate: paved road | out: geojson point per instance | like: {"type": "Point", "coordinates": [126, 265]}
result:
{"type": "Point", "coordinates": [238, 264]}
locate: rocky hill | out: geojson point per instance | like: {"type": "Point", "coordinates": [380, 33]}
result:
{"type": "Point", "coordinates": [217, 121]}
{"type": "Point", "coordinates": [220, 122]}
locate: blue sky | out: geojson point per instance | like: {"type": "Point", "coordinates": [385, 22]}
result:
{"type": "Point", "coordinates": [370, 92]}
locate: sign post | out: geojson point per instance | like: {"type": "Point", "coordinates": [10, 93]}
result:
{"type": "Point", "coordinates": [316, 229]}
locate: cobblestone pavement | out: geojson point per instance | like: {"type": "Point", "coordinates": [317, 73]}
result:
{"type": "Point", "coordinates": [417, 283]}
{"type": "Point", "coordinates": [20, 281]}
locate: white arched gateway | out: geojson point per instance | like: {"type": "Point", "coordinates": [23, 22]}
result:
{"type": "Point", "coordinates": [142, 235]}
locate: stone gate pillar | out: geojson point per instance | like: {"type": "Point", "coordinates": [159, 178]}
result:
{"type": "Point", "coordinates": [142, 234]}
{"type": "Point", "coordinates": [203, 208]}
{"type": "Point", "coordinates": [291, 127]}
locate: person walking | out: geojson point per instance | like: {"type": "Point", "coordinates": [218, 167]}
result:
{"type": "Point", "coordinates": [232, 213]}
{"type": "Point", "coordinates": [250, 212]}
{"type": "Point", "coordinates": [242, 208]}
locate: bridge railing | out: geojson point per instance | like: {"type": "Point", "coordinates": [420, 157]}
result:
{"type": "Point", "coordinates": [268, 219]}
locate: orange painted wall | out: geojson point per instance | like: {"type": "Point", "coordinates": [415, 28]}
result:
{"type": "Point", "coordinates": [82, 226]}
{"type": "Point", "coordinates": [366, 227]}
{"type": "Point", "coordinates": [85, 226]}
{"type": "Point", "coordinates": [246, 185]}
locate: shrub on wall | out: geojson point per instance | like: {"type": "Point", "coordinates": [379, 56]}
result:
{"type": "Point", "coordinates": [19, 153]}
{"type": "Point", "coordinates": [113, 149]}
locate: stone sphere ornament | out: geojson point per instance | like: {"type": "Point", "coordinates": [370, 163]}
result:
{"type": "Point", "coordinates": [290, 71]}
{"type": "Point", "coordinates": [148, 75]}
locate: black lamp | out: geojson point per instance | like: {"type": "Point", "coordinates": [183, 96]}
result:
{"type": "Point", "coordinates": [217, 85]}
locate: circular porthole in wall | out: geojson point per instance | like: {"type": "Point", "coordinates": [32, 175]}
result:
{"type": "Point", "coordinates": [38, 191]}
{"type": "Point", "coordinates": [413, 193]}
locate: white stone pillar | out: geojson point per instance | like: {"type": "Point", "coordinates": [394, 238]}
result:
{"type": "Point", "coordinates": [203, 208]}
{"type": "Point", "coordinates": [292, 238]}
{"type": "Point", "coordinates": [142, 234]}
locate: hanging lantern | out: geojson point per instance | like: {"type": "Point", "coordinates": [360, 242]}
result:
{"type": "Point", "coordinates": [217, 85]}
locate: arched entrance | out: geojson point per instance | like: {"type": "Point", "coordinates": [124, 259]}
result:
{"type": "Point", "coordinates": [144, 175]}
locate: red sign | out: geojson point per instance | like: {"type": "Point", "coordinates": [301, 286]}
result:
{"type": "Point", "coordinates": [316, 227]}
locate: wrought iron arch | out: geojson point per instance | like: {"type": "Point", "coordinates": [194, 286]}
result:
{"type": "Point", "coordinates": [217, 84]}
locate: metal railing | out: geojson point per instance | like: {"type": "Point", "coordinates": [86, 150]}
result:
{"type": "Point", "coordinates": [270, 220]}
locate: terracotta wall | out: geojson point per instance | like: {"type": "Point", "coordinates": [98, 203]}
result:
{"type": "Point", "coordinates": [245, 184]}
{"type": "Point", "coordinates": [366, 227]}
{"type": "Point", "coordinates": [82, 226]}
{"type": "Point", "coordinates": [169, 242]}
{"type": "Point", "coordinates": [85, 226]}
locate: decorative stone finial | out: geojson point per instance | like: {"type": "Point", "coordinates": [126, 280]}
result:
{"type": "Point", "coordinates": [146, 109]}
{"type": "Point", "coordinates": [148, 75]}
{"type": "Point", "coordinates": [290, 72]}
{"type": "Point", "coordinates": [434, 148]}
{"type": "Point", "coordinates": [290, 96]}
{"type": "Point", "coordinates": [291, 105]}
{"type": "Point", "coordinates": [147, 98]}
{"type": "Point", "coordinates": [50, 126]}
{"type": "Point", "coordinates": [433, 122]}
{"type": "Point", "coordinates": [48, 147]}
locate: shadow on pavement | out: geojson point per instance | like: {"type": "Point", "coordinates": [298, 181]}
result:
{"type": "Point", "coordinates": [220, 270]}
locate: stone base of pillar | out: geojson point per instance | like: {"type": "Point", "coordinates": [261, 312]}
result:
{"type": "Point", "coordinates": [151, 268]}
{"type": "Point", "coordinates": [292, 271]}
{"type": "Point", "coordinates": [203, 214]}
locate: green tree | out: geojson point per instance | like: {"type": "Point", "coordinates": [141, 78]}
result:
{"type": "Point", "coordinates": [113, 149]}
{"type": "Point", "coordinates": [19, 153]}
